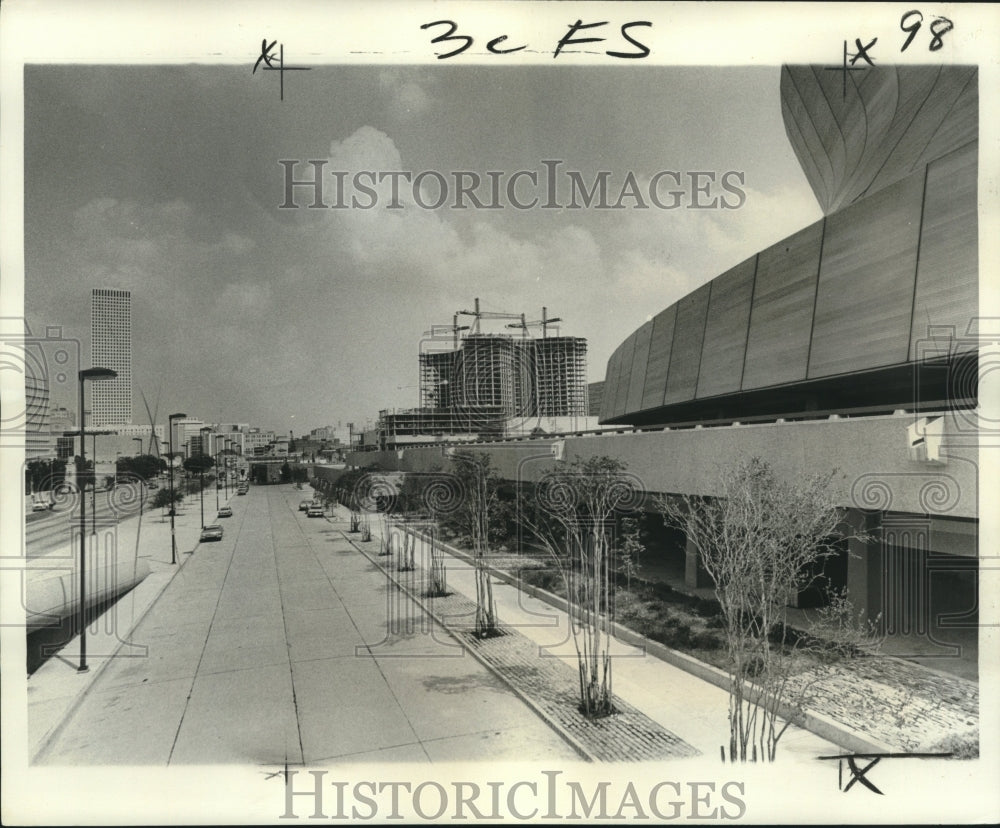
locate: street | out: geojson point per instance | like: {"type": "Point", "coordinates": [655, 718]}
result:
{"type": "Point", "coordinates": [45, 531]}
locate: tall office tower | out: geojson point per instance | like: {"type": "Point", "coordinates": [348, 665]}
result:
{"type": "Point", "coordinates": [111, 347]}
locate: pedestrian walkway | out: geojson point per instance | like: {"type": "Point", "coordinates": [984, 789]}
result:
{"type": "Point", "coordinates": [271, 646]}
{"type": "Point", "coordinates": [544, 680]}
{"type": "Point", "coordinates": [692, 712]}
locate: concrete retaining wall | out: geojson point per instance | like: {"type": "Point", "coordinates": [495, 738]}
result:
{"type": "Point", "coordinates": [870, 456]}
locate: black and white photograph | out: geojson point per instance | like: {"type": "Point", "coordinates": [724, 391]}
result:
{"type": "Point", "coordinates": [498, 412]}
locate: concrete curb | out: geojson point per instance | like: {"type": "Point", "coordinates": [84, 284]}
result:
{"type": "Point", "coordinates": [584, 754]}
{"type": "Point", "coordinates": [814, 722]}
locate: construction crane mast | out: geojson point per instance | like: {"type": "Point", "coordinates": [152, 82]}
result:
{"type": "Point", "coordinates": [481, 314]}
{"type": "Point", "coordinates": [544, 323]}
{"type": "Point", "coordinates": [437, 331]}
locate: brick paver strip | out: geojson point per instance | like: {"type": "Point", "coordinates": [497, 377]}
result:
{"type": "Point", "coordinates": [549, 684]}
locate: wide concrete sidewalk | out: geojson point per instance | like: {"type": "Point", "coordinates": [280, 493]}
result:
{"type": "Point", "coordinates": [693, 709]}
{"type": "Point", "coordinates": [271, 646]}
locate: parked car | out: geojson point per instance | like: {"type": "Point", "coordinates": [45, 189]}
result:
{"type": "Point", "coordinates": [304, 505]}
{"type": "Point", "coordinates": [39, 506]}
{"type": "Point", "coordinates": [226, 511]}
{"type": "Point", "coordinates": [315, 511]}
{"type": "Point", "coordinates": [211, 533]}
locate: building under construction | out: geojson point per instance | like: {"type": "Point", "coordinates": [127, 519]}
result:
{"type": "Point", "coordinates": [477, 382]}
{"type": "Point", "coordinates": [522, 376]}
{"type": "Point", "coordinates": [559, 376]}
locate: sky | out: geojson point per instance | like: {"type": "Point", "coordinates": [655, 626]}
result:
{"type": "Point", "coordinates": [166, 181]}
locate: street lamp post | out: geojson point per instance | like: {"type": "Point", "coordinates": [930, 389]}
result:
{"type": "Point", "coordinates": [218, 483]}
{"type": "Point", "coordinates": [86, 374]}
{"type": "Point", "coordinates": [142, 482]}
{"type": "Point", "coordinates": [201, 472]}
{"type": "Point", "coordinates": [93, 487]}
{"type": "Point", "coordinates": [170, 436]}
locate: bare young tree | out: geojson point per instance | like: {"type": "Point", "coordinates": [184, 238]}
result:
{"type": "Point", "coordinates": [385, 544]}
{"type": "Point", "coordinates": [426, 498]}
{"type": "Point", "coordinates": [573, 513]}
{"type": "Point", "coordinates": [374, 492]}
{"type": "Point", "coordinates": [760, 540]}
{"type": "Point", "coordinates": [477, 513]}
{"type": "Point", "coordinates": [437, 586]}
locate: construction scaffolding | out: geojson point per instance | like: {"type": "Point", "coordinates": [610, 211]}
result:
{"type": "Point", "coordinates": [560, 376]}
{"type": "Point", "coordinates": [437, 378]}
{"type": "Point", "coordinates": [520, 376]}
{"type": "Point", "coordinates": [488, 374]}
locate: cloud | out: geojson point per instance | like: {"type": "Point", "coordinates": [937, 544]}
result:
{"type": "Point", "coordinates": [669, 253]}
{"type": "Point", "coordinates": [247, 298]}
{"type": "Point", "coordinates": [157, 247]}
{"type": "Point", "coordinates": [405, 97]}
{"type": "Point", "coordinates": [367, 148]}
{"type": "Point", "coordinates": [397, 241]}
{"type": "Point", "coordinates": [124, 218]}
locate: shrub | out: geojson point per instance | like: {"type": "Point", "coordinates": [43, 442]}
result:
{"type": "Point", "coordinates": [706, 641]}
{"type": "Point", "coordinates": [675, 633]}
{"type": "Point", "coordinates": [665, 592]}
{"type": "Point", "coordinates": [708, 608]}
{"type": "Point", "coordinates": [960, 745]}
{"type": "Point", "coordinates": [546, 579]}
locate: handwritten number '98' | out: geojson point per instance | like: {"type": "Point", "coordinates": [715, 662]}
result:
{"type": "Point", "coordinates": [939, 27]}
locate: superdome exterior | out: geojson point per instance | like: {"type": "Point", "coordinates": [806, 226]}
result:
{"type": "Point", "coordinates": [856, 313]}
{"type": "Point", "coordinates": [892, 121]}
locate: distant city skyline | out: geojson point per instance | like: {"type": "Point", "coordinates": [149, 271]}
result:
{"type": "Point", "coordinates": [167, 182]}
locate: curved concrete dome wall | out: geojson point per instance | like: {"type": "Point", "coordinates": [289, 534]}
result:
{"type": "Point", "coordinates": [892, 121]}
{"type": "Point", "coordinates": [857, 291]}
